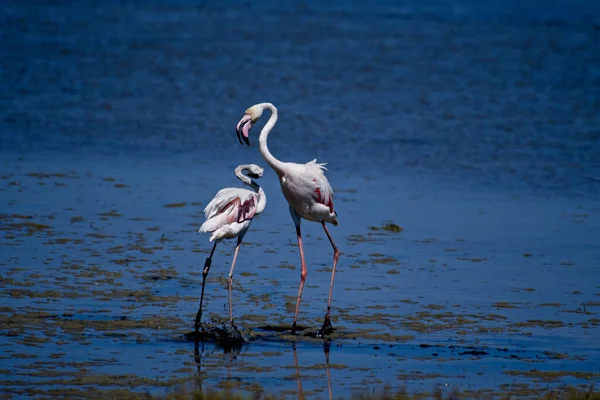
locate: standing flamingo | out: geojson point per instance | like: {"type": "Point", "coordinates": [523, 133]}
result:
{"type": "Point", "coordinates": [305, 188]}
{"type": "Point", "coordinates": [229, 215]}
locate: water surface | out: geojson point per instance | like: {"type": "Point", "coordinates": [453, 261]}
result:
{"type": "Point", "coordinates": [473, 128]}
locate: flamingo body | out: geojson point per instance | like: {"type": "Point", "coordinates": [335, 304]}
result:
{"type": "Point", "coordinates": [228, 216]}
{"type": "Point", "coordinates": [306, 190]}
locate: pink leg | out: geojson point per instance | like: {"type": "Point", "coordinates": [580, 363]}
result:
{"type": "Point", "coordinates": [230, 281]}
{"type": "Point", "coordinates": [302, 277]}
{"type": "Point", "coordinates": [327, 328]}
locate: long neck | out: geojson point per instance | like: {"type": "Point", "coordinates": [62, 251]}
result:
{"type": "Point", "coordinates": [262, 140]}
{"type": "Point", "coordinates": [262, 201]}
{"type": "Point", "coordinates": [246, 179]}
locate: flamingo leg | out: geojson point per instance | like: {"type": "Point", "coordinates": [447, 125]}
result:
{"type": "Point", "coordinates": [327, 328]}
{"type": "Point", "coordinates": [302, 277]}
{"type": "Point", "coordinates": [230, 281]}
{"type": "Point", "coordinates": [204, 275]}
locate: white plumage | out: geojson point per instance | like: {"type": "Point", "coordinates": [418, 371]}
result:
{"type": "Point", "coordinates": [229, 215]}
{"type": "Point", "coordinates": [306, 190]}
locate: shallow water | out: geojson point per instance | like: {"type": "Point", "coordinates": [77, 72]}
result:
{"type": "Point", "coordinates": [473, 129]}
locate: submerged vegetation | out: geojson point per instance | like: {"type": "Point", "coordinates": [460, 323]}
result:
{"type": "Point", "coordinates": [118, 280]}
{"type": "Point", "coordinates": [401, 394]}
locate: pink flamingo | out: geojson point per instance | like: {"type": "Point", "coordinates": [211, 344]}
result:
{"type": "Point", "coordinates": [305, 188]}
{"type": "Point", "coordinates": [229, 215]}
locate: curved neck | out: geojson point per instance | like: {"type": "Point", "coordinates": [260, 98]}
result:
{"type": "Point", "coordinates": [262, 201]}
{"type": "Point", "coordinates": [262, 140]}
{"type": "Point", "coordinates": [246, 179]}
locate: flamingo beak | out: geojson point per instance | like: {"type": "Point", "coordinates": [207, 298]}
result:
{"type": "Point", "coordinates": [243, 128]}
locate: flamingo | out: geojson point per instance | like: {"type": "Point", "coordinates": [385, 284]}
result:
{"type": "Point", "coordinates": [305, 188]}
{"type": "Point", "coordinates": [228, 216]}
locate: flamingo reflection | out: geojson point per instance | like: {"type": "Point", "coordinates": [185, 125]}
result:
{"type": "Point", "coordinates": [326, 350]}
{"type": "Point", "coordinates": [231, 351]}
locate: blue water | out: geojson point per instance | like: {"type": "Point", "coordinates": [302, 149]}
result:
{"type": "Point", "coordinates": [473, 125]}
{"type": "Point", "coordinates": [501, 94]}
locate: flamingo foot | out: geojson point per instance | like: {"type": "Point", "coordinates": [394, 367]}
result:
{"type": "Point", "coordinates": [198, 324]}
{"type": "Point", "coordinates": [198, 334]}
{"type": "Point", "coordinates": [326, 329]}
{"type": "Point", "coordinates": [234, 335]}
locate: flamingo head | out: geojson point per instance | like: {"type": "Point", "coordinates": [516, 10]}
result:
{"type": "Point", "coordinates": [243, 127]}
{"type": "Point", "coordinates": [254, 171]}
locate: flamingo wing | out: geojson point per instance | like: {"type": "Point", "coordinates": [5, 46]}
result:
{"type": "Point", "coordinates": [230, 205]}
{"type": "Point", "coordinates": [244, 211]}
{"type": "Point", "coordinates": [322, 190]}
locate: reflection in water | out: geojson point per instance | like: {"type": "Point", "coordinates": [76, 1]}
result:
{"type": "Point", "coordinates": [197, 355]}
{"type": "Point", "coordinates": [300, 391]}
{"type": "Point", "coordinates": [326, 349]}
{"type": "Point", "coordinates": [231, 351]}
{"type": "Point", "coordinates": [198, 361]}
{"type": "Point", "coordinates": [234, 351]}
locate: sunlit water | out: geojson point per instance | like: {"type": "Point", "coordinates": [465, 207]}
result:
{"type": "Point", "coordinates": [474, 128]}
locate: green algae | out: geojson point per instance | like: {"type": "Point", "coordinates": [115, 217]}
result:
{"type": "Point", "coordinates": [31, 226]}
{"type": "Point", "coordinates": [111, 213]}
{"type": "Point", "coordinates": [176, 205]}
{"type": "Point", "coordinates": [539, 323]}
{"type": "Point", "coordinates": [505, 304]}
{"type": "Point", "coordinates": [389, 227]}
{"type": "Point", "coordinates": [388, 392]}
{"type": "Point", "coordinates": [553, 376]}
{"type": "Point", "coordinates": [148, 311]}
{"type": "Point", "coordinates": [473, 259]}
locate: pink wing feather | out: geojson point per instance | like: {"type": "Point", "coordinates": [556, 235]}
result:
{"type": "Point", "coordinates": [322, 188]}
{"type": "Point", "coordinates": [324, 195]}
{"type": "Point", "coordinates": [238, 211]}
{"type": "Point", "coordinates": [228, 206]}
